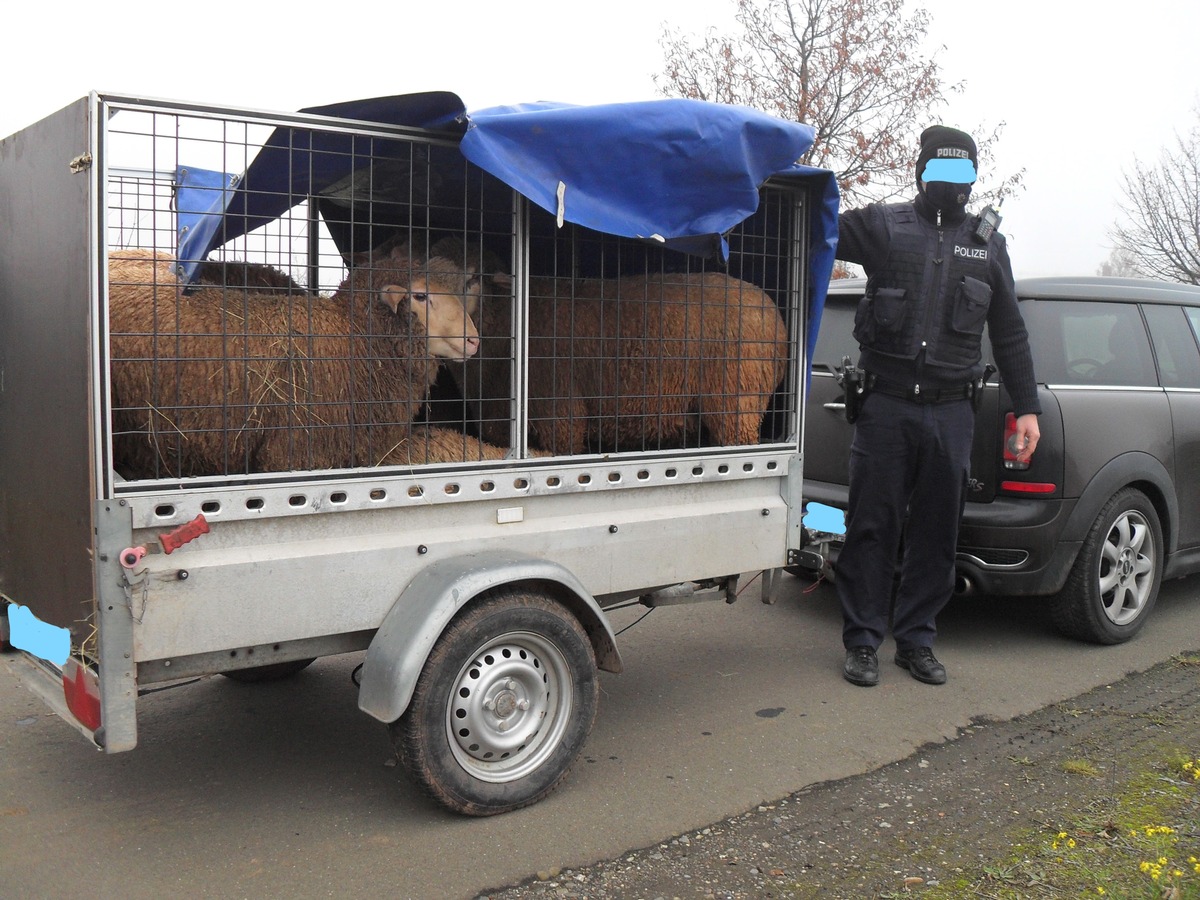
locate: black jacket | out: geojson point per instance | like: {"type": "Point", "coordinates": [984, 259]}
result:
{"type": "Point", "coordinates": [930, 288]}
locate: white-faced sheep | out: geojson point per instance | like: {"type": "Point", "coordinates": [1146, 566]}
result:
{"type": "Point", "coordinates": [214, 382]}
{"type": "Point", "coordinates": [635, 363]}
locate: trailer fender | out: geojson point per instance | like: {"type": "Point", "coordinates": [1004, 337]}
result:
{"type": "Point", "coordinates": [402, 644]}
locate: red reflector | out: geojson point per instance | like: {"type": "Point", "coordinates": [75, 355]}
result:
{"type": "Point", "coordinates": [1027, 487]}
{"type": "Point", "coordinates": [82, 690]}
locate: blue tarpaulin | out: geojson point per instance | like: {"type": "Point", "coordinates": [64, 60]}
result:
{"type": "Point", "coordinates": [679, 172]}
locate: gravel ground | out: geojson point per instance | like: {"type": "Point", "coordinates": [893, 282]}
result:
{"type": "Point", "coordinates": [949, 809]}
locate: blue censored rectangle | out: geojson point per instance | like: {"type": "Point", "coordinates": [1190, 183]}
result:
{"type": "Point", "coordinates": [955, 171]}
{"type": "Point", "coordinates": [828, 519]}
{"type": "Point", "coordinates": [27, 632]}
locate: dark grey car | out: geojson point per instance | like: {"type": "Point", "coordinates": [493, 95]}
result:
{"type": "Point", "coordinates": [1110, 504]}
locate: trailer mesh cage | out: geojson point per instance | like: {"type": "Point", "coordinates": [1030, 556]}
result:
{"type": "Point", "coordinates": [417, 311]}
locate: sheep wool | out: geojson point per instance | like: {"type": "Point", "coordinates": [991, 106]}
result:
{"type": "Point", "coordinates": [636, 363]}
{"type": "Point", "coordinates": [214, 381]}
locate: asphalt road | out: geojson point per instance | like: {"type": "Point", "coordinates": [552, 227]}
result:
{"type": "Point", "coordinates": [287, 790]}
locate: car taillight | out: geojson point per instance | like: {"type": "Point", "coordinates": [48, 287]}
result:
{"type": "Point", "coordinates": [1010, 444]}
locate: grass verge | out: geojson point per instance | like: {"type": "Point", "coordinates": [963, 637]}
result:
{"type": "Point", "coordinates": [1141, 842]}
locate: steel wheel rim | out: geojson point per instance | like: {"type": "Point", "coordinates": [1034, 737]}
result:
{"type": "Point", "coordinates": [1127, 568]}
{"type": "Point", "coordinates": [509, 707]}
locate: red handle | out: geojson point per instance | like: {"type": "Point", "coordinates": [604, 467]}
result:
{"type": "Point", "coordinates": [189, 532]}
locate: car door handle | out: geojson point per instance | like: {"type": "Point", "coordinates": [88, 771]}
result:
{"type": "Point", "coordinates": [839, 406]}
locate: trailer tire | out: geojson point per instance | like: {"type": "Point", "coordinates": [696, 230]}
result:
{"type": "Point", "coordinates": [503, 705]}
{"type": "Point", "coordinates": [269, 672]}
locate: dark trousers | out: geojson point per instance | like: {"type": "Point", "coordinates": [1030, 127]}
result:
{"type": "Point", "coordinates": [908, 472]}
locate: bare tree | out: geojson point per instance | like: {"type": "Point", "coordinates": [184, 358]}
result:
{"type": "Point", "coordinates": [1162, 232]}
{"type": "Point", "coordinates": [855, 70]}
{"type": "Point", "coordinates": [1120, 264]}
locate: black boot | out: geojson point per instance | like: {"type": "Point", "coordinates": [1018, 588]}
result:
{"type": "Point", "coordinates": [922, 664]}
{"type": "Point", "coordinates": [862, 666]}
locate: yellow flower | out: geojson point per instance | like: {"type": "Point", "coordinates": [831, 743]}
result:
{"type": "Point", "coordinates": [1071, 843]}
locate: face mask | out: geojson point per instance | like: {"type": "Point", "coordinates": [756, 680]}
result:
{"type": "Point", "coordinates": [947, 196]}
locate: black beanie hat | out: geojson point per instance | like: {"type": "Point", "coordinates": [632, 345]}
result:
{"type": "Point", "coordinates": [942, 142]}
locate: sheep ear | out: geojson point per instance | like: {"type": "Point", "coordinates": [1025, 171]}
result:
{"type": "Point", "coordinates": [392, 296]}
{"type": "Point", "coordinates": [402, 252]}
{"type": "Point", "coordinates": [503, 279]}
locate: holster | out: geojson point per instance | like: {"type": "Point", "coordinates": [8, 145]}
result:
{"type": "Point", "coordinates": [977, 387]}
{"type": "Point", "coordinates": [854, 385]}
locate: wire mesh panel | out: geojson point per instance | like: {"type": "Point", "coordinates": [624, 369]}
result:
{"type": "Point", "coordinates": [310, 339]}
{"type": "Point", "coordinates": [287, 298]}
{"type": "Point", "coordinates": [633, 348]}
{"type": "Point", "coordinates": [669, 352]}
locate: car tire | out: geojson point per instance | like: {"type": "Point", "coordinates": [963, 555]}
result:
{"type": "Point", "coordinates": [1114, 583]}
{"type": "Point", "coordinates": [502, 707]}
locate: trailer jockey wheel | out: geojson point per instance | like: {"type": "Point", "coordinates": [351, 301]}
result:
{"type": "Point", "coordinates": [503, 706]}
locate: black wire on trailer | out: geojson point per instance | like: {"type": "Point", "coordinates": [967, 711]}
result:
{"type": "Point", "coordinates": [635, 621]}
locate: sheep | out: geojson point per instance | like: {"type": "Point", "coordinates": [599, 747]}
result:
{"type": "Point", "coordinates": [635, 363]}
{"type": "Point", "coordinates": [420, 444]}
{"type": "Point", "coordinates": [210, 382]}
{"type": "Point", "coordinates": [244, 275]}
{"type": "Point", "coordinates": [492, 423]}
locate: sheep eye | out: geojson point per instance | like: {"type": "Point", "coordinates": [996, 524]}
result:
{"type": "Point", "coordinates": [420, 297]}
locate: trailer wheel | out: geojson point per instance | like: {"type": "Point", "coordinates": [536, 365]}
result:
{"type": "Point", "coordinates": [503, 706]}
{"type": "Point", "coordinates": [269, 672]}
{"type": "Point", "coordinates": [1114, 583]}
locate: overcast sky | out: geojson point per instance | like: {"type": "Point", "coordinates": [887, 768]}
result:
{"type": "Point", "coordinates": [1083, 91]}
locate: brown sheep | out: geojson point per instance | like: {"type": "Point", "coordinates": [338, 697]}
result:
{"type": "Point", "coordinates": [215, 382]}
{"type": "Point", "coordinates": [243, 275]}
{"type": "Point", "coordinates": [420, 444]}
{"type": "Point", "coordinates": [635, 363]}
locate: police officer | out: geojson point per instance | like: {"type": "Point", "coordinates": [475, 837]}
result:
{"type": "Point", "coordinates": [934, 277]}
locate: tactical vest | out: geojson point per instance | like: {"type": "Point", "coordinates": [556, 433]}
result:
{"type": "Point", "coordinates": [932, 294]}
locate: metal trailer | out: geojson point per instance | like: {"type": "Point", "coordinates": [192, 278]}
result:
{"type": "Point", "coordinates": [476, 584]}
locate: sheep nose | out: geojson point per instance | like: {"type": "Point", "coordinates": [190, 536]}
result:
{"type": "Point", "coordinates": [470, 346]}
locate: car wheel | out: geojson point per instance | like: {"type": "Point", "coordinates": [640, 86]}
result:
{"type": "Point", "coordinates": [1114, 583]}
{"type": "Point", "coordinates": [502, 707]}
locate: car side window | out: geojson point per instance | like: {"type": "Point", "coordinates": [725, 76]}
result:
{"type": "Point", "coordinates": [1090, 343]}
{"type": "Point", "coordinates": [1193, 314]}
{"type": "Point", "coordinates": [1175, 344]}
{"type": "Point", "coordinates": [835, 338]}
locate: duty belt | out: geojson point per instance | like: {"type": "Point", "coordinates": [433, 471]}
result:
{"type": "Point", "coordinates": [917, 394]}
